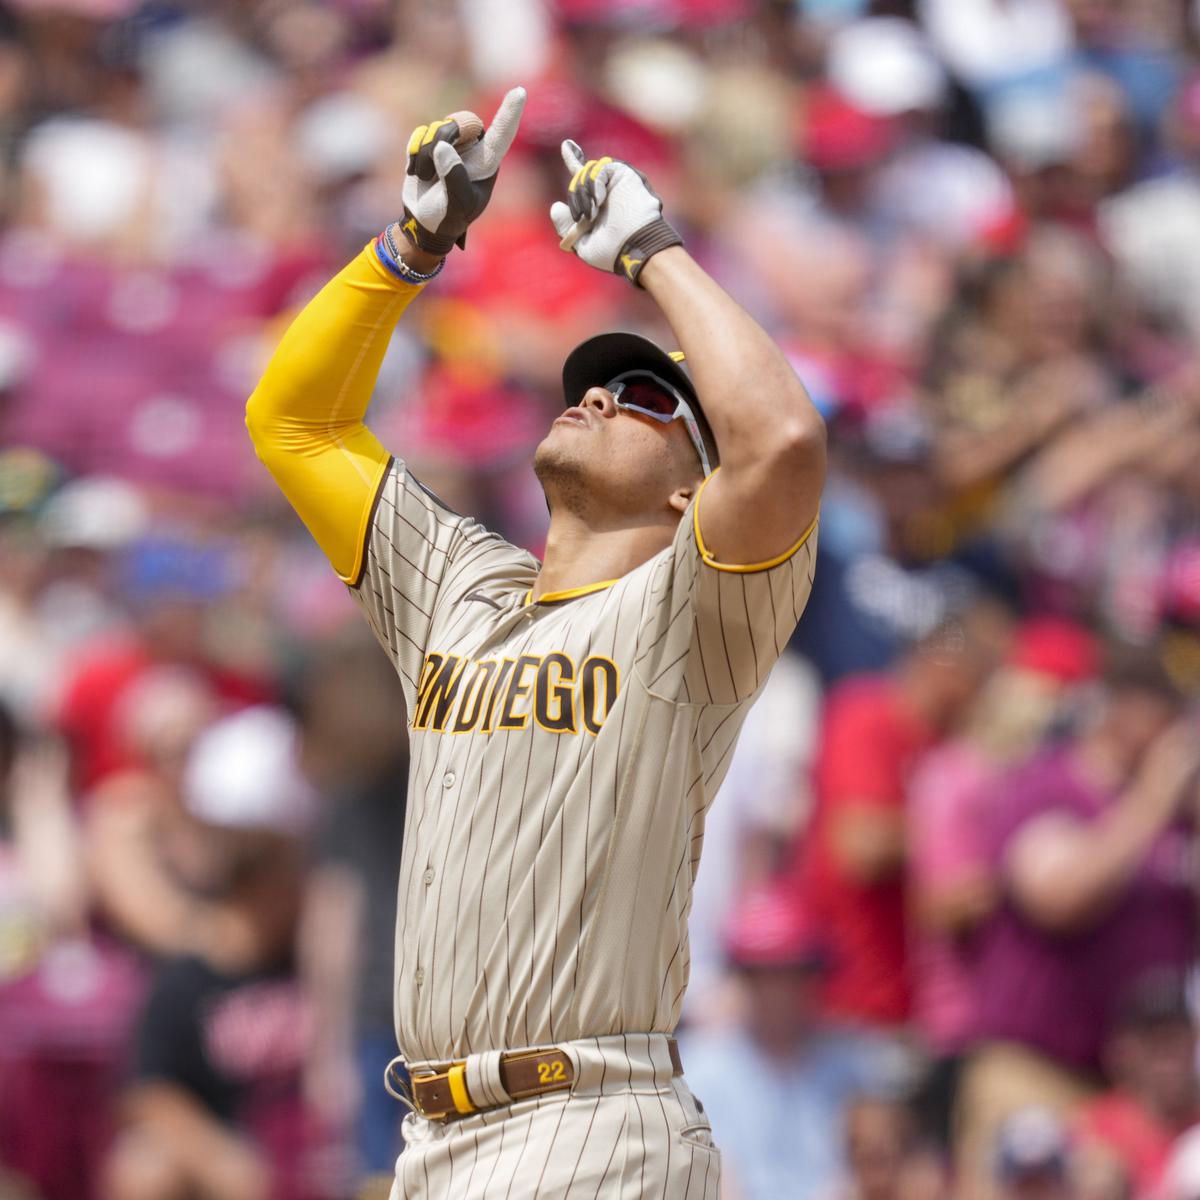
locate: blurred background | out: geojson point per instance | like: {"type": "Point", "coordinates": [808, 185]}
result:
{"type": "Point", "coordinates": [944, 934]}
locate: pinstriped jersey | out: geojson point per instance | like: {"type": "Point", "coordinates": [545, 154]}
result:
{"type": "Point", "coordinates": [563, 756]}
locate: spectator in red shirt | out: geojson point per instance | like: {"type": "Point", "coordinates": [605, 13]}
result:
{"type": "Point", "coordinates": [853, 863]}
{"type": "Point", "coordinates": [1151, 1059]}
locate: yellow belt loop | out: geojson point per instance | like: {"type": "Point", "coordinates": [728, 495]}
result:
{"type": "Point", "coordinates": [456, 1076]}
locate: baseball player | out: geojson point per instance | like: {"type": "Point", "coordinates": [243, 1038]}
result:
{"type": "Point", "coordinates": [570, 718]}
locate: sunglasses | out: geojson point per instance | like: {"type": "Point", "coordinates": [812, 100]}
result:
{"type": "Point", "coordinates": [645, 393]}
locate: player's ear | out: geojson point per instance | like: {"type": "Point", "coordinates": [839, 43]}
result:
{"type": "Point", "coordinates": [681, 497]}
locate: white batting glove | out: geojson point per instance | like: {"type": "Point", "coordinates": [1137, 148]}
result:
{"type": "Point", "coordinates": [612, 219]}
{"type": "Point", "coordinates": [445, 189]}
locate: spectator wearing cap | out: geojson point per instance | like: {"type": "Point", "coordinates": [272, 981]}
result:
{"type": "Point", "coordinates": [952, 885]}
{"type": "Point", "coordinates": [212, 1108]}
{"type": "Point", "coordinates": [852, 860]}
{"type": "Point", "coordinates": [1150, 1056]}
{"type": "Point", "coordinates": [776, 1085]}
{"type": "Point", "coordinates": [1031, 1159]}
{"type": "Point", "coordinates": [1091, 844]}
{"type": "Point", "coordinates": [843, 144]}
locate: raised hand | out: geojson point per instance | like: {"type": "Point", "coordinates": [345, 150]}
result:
{"type": "Point", "coordinates": [612, 218]}
{"type": "Point", "coordinates": [451, 173]}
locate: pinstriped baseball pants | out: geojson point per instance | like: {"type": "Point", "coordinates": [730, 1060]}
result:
{"type": "Point", "coordinates": [627, 1129]}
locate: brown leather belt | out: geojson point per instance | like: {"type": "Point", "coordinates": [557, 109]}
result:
{"type": "Point", "coordinates": [443, 1095]}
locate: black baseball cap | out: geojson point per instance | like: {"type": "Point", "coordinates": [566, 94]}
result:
{"type": "Point", "coordinates": [601, 358]}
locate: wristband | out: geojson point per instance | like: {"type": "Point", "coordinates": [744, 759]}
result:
{"type": "Point", "coordinates": [642, 246]}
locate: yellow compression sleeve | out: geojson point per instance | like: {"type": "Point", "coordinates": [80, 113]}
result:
{"type": "Point", "coordinates": [306, 415]}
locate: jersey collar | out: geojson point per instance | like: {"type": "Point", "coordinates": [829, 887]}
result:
{"type": "Point", "coordinates": [567, 594]}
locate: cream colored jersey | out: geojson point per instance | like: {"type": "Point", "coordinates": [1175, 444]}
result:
{"type": "Point", "coordinates": [564, 753]}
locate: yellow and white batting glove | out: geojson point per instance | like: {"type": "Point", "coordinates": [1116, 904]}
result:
{"type": "Point", "coordinates": [612, 218]}
{"type": "Point", "coordinates": [451, 172]}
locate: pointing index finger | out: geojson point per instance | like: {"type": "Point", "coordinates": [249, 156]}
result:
{"type": "Point", "coordinates": [503, 129]}
{"type": "Point", "coordinates": [572, 156]}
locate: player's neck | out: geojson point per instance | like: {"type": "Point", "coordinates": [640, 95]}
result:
{"type": "Point", "coordinates": [578, 554]}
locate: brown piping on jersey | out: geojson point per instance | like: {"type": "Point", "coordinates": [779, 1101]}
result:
{"type": "Point", "coordinates": [369, 529]}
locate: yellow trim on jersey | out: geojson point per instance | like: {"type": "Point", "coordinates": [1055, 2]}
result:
{"type": "Point", "coordinates": [740, 568]}
{"type": "Point", "coordinates": [568, 594]}
{"type": "Point", "coordinates": [306, 415]}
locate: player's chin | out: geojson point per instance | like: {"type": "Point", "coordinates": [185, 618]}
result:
{"type": "Point", "coordinates": [561, 438]}
{"type": "Point", "coordinates": [560, 452]}
{"type": "Point", "coordinates": [548, 450]}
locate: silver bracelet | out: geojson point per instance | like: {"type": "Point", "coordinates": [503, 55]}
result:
{"type": "Point", "coordinates": [389, 255]}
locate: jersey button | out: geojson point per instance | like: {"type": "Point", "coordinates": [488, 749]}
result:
{"type": "Point", "coordinates": [419, 976]}
{"type": "Point", "coordinates": [448, 779]}
{"type": "Point", "coordinates": [428, 876]}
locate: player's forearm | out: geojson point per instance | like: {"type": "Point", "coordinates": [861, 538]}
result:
{"type": "Point", "coordinates": [757, 407]}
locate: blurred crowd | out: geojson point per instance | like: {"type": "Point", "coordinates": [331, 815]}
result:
{"type": "Point", "coordinates": [944, 934]}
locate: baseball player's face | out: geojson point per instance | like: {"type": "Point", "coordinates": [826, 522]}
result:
{"type": "Point", "coordinates": [615, 458]}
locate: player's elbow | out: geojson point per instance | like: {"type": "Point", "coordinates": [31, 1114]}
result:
{"type": "Point", "coordinates": [801, 439]}
{"type": "Point", "coordinates": [794, 450]}
{"type": "Point", "coordinates": [257, 422]}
